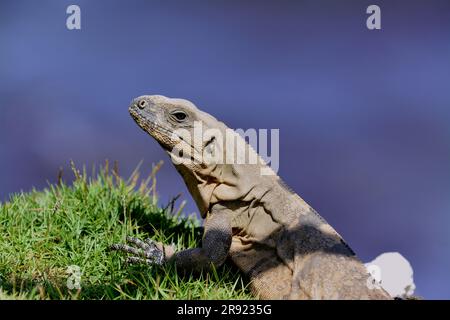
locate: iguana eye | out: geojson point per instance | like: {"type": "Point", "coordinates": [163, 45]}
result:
{"type": "Point", "coordinates": [142, 104]}
{"type": "Point", "coordinates": [179, 115]}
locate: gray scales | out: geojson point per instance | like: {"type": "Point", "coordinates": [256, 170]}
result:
{"type": "Point", "coordinates": [269, 232]}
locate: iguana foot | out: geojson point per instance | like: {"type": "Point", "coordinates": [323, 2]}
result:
{"type": "Point", "coordinates": [146, 251]}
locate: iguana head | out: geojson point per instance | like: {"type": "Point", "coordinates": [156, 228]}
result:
{"type": "Point", "coordinates": [196, 142]}
{"type": "Point", "coordinates": [171, 123]}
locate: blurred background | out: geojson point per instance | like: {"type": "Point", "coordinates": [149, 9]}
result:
{"type": "Point", "coordinates": [364, 116]}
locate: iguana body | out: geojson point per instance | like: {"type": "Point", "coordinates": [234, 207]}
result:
{"type": "Point", "coordinates": [268, 231]}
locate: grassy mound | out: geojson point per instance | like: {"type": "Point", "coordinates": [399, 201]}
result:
{"type": "Point", "coordinates": [47, 236]}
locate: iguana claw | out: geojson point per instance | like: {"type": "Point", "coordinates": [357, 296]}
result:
{"type": "Point", "coordinates": [143, 251]}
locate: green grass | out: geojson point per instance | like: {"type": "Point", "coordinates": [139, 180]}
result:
{"type": "Point", "coordinates": [42, 233]}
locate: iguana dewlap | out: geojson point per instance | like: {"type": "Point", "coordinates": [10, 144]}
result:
{"type": "Point", "coordinates": [268, 231]}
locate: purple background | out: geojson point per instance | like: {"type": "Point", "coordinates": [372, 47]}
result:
{"type": "Point", "coordinates": [364, 116]}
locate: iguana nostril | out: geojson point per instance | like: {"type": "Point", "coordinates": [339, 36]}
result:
{"type": "Point", "coordinates": [142, 104]}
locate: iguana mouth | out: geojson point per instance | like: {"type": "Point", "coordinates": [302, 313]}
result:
{"type": "Point", "coordinates": [137, 116]}
{"type": "Point", "coordinates": [161, 134]}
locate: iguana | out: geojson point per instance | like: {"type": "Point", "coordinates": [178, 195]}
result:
{"type": "Point", "coordinates": [269, 232]}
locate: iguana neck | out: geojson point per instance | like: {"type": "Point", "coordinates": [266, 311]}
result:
{"type": "Point", "coordinates": [238, 172]}
{"type": "Point", "coordinates": [221, 183]}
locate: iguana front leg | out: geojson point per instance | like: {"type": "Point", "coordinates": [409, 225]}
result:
{"type": "Point", "coordinates": [214, 249]}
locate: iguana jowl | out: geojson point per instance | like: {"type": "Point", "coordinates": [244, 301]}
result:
{"type": "Point", "coordinates": [268, 231]}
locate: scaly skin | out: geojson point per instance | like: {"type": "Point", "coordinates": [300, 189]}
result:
{"type": "Point", "coordinates": [268, 231]}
